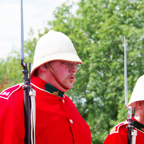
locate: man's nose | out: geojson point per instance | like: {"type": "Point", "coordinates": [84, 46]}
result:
{"type": "Point", "coordinates": [73, 69]}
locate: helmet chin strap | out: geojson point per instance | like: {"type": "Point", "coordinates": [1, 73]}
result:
{"type": "Point", "coordinates": [57, 78]}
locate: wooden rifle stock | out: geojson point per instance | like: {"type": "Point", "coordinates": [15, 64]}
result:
{"type": "Point", "coordinates": [27, 105]}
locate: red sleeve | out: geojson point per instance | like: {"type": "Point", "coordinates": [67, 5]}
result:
{"type": "Point", "coordinates": [11, 123]}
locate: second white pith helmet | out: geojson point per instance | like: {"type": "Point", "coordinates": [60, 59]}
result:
{"type": "Point", "coordinates": [138, 92]}
{"type": "Point", "coordinates": [54, 46]}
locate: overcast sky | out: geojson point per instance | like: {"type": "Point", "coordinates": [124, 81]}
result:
{"type": "Point", "coordinates": [35, 12]}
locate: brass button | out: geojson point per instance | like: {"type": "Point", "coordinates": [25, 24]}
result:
{"type": "Point", "coordinates": [71, 121]}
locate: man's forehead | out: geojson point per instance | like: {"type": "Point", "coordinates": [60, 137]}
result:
{"type": "Point", "coordinates": [63, 61]}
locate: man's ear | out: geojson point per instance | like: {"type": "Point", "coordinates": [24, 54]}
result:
{"type": "Point", "coordinates": [43, 67]}
{"type": "Point", "coordinates": [139, 104]}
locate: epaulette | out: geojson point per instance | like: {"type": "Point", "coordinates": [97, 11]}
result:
{"type": "Point", "coordinates": [117, 127]}
{"type": "Point", "coordinates": [9, 91]}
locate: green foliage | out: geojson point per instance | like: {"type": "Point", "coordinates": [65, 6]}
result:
{"type": "Point", "coordinates": [3, 74]}
{"type": "Point", "coordinates": [97, 30]}
{"type": "Point", "coordinates": [30, 45]}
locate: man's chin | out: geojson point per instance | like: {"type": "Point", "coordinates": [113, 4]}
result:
{"type": "Point", "coordinates": [69, 86]}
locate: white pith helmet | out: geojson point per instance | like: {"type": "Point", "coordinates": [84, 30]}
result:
{"type": "Point", "coordinates": [138, 92]}
{"type": "Point", "coordinates": [54, 46]}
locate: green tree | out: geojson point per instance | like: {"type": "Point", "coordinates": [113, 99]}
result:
{"type": "Point", "coordinates": [3, 75]}
{"type": "Point", "coordinates": [106, 23]}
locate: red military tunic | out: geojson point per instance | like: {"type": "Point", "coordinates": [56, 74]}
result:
{"type": "Point", "coordinates": [118, 134]}
{"type": "Point", "coordinates": [57, 119]}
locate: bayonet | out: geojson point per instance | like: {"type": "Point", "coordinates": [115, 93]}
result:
{"type": "Point", "coordinates": [131, 132]}
{"type": "Point", "coordinates": [125, 72]}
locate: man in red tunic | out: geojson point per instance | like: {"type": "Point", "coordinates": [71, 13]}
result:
{"type": "Point", "coordinates": [57, 119]}
{"type": "Point", "coordinates": [118, 134]}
